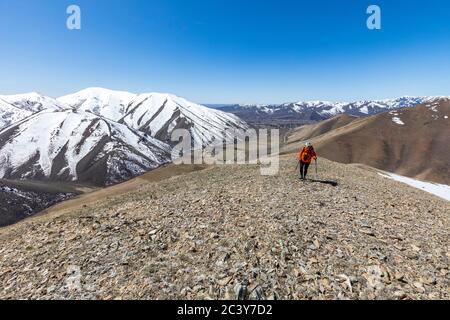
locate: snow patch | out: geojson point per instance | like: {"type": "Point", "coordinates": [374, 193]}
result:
{"type": "Point", "coordinates": [433, 108]}
{"type": "Point", "coordinates": [398, 121]}
{"type": "Point", "coordinates": [364, 110]}
{"type": "Point", "coordinates": [440, 190]}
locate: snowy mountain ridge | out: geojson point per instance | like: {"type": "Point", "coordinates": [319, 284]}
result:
{"type": "Point", "coordinates": [68, 145]}
{"type": "Point", "coordinates": [329, 108]}
{"type": "Point", "coordinates": [99, 136]}
{"type": "Point", "coordinates": [298, 113]}
{"type": "Point", "coordinates": [156, 114]}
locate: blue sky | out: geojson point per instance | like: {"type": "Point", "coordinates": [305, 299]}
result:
{"type": "Point", "coordinates": [228, 51]}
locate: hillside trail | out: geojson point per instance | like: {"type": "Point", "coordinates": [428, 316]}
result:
{"type": "Point", "coordinates": [225, 230]}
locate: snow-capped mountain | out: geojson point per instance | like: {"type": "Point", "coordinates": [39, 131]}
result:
{"type": "Point", "coordinates": [10, 114]}
{"type": "Point", "coordinates": [98, 135]}
{"type": "Point", "coordinates": [159, 114]}
{"type": "Point", "coordinates": [320, 110]}
{"type": "Point", "coordinates": [156, 114]}
{"type": "Point", "coordinates": [360, 108]}
{"type": "Point", "coordinates": [72, 145]}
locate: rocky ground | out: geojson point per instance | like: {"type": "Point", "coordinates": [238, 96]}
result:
{"type": "Point", "coordinates": [228, 232]}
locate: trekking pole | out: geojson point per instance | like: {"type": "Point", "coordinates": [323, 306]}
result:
{"type": "Point", "coordinates": [316, 168]}
{"type": "Point", "coordinates": [298, 163]}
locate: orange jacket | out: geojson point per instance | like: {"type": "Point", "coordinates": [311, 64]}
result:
{"type": "Point", "coordinates": [307, 155]}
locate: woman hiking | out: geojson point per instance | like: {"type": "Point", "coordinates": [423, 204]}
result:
{"type": "Point", "coordinates": [305, 156]}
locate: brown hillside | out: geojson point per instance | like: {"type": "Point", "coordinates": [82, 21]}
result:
{"type": "Point", "coordinates": [418, 148]}
{"type": "Point", "coordinates": [313, 130]}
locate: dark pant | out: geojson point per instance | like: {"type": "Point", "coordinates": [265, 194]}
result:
{"type": "Point", "coordinates": [304, 169]}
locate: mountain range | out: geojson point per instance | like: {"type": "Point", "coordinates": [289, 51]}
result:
{"type": "Point", "coordinates": [298, 113]}
{"type": "Point", "coordinates": [98, 136]}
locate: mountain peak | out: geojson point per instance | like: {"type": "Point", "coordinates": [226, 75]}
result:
{"type": "Point", "coordinates": [101, 90]}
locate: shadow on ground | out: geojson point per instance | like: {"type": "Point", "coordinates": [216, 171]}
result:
{"type": "Point", "coordinates": [329, 182]}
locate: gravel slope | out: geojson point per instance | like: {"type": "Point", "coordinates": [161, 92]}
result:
{"type": "Point", "coordinates": [228, 230]}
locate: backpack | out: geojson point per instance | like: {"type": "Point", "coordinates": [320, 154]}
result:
{"type": "Point", "coordinates": [306, 156]}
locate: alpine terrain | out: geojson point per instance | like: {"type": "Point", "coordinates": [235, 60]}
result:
{"type": "Point", "coordinates": [297, 181]}
{"type": "Point", "coordinates": [33, 102]}
{"type": "Point", "coordinates": [219, 231]}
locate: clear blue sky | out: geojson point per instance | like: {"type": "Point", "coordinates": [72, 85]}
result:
{"type": "Point", "coordinates": [227, 51]}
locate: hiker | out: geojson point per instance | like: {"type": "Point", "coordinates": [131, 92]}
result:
{"type": "Point", "coordinates": [305, 156]}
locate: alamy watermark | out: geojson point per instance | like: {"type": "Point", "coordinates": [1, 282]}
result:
{"type": "Point", "coordinates": [76, 282]}
{"type": "Point", "coordinates": [374, 19]}
{"type": "Point", "coordinates": [232, 146]}
{"type": "Point", "coordinates": [73, 21]}
{"type": "Point", "coordinates": [236, 146]}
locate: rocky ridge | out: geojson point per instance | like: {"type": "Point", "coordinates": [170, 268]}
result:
{"type": "Point", "coordinates": [227, 232]}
